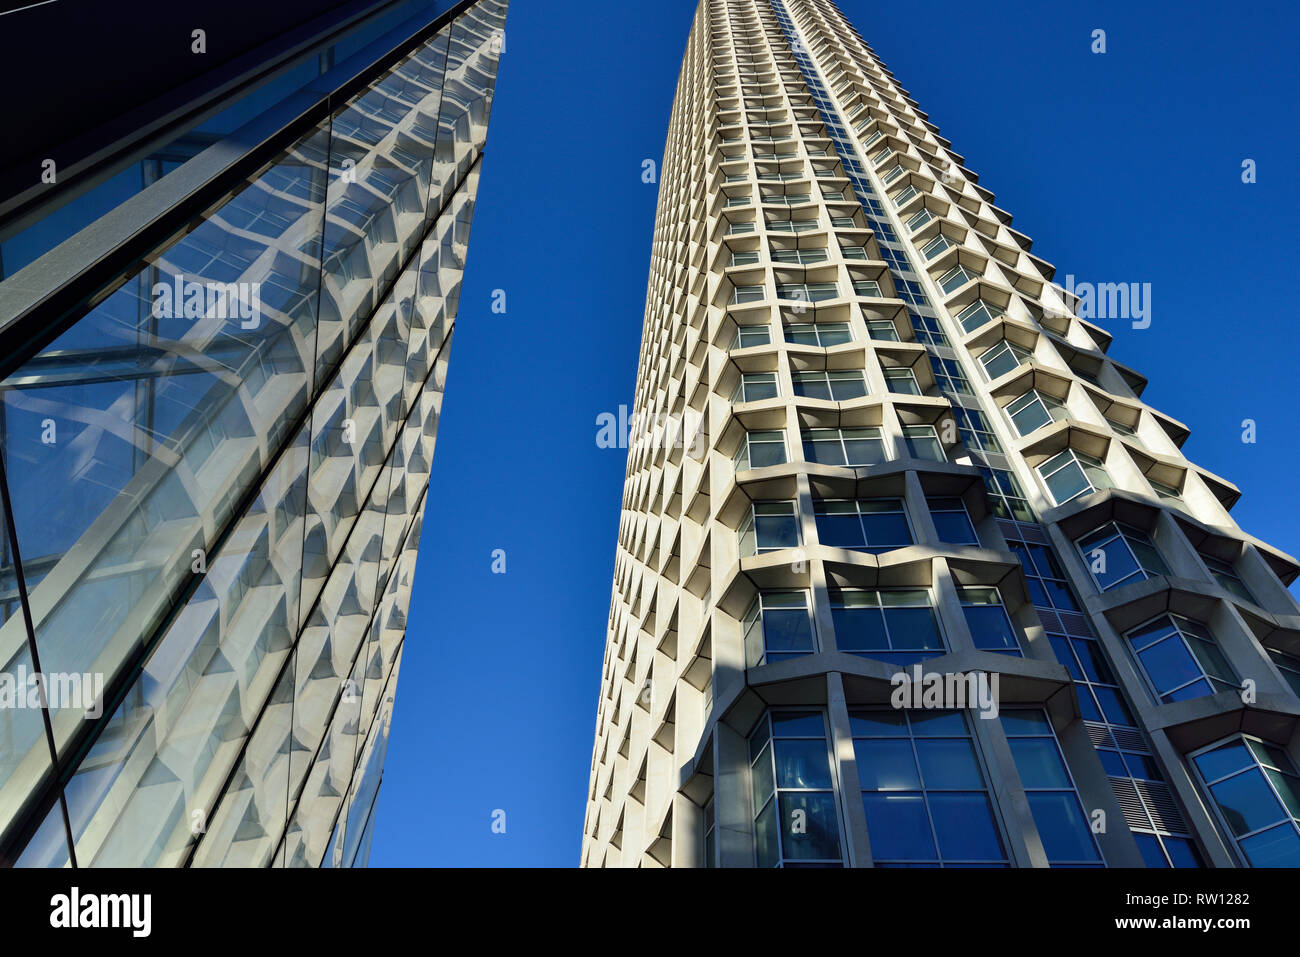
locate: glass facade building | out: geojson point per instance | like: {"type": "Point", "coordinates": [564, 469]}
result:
{"type": "Point", "coordinates": [903, 450]}
{"type": "Point", "coordinates": [218, 407]}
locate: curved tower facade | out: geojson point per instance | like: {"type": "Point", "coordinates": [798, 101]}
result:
{"type": "Point", "coordinates": [908, 574]}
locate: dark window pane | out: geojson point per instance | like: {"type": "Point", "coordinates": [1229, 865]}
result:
{"type": "Point", "coordinates": [802, 763]}
{"type": "Point", "coordinates": [765, 837]}
{"type": "Point", "coordinates": [1062, 826]}
{"type": "Point", "coordinates": [948, 763]}
{"type": "Point", "coordinates": [886, 764]}
{"type": "Point", "coordinates": [898, 827]}
{"type": "Point", "coordinates": [964, 825]}
{"type": "Point", "coordinates": [1278, 847]}
{"type": "Point", "coordinates": [1247, 802]}
{"type": "Point", "coordinates": [810, 828]}
{"type": "Point", "coordinates": [1039, 763]}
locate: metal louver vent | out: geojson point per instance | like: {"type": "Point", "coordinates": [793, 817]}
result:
{"type": "Point", "coordinates": [1075, 624]}
{"type": "Point", "coordinates": [1130, 802]}
{"type": "Point", "coordinates": [1161, 806]}
{"type": "Point", "coordinates": [1130, 739]}
{"type": "Point", "coordinates": [1100, 734]}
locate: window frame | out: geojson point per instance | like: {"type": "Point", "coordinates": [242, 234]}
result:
{"type": "Point", "coordinates": [745, 445]}
{"type": "Point", "coordinates": [1022, 356]}
{"type": "Point", "coordinates": [1205, 785]}
{"type": "Point", "coordinates": [1080, 461]}
{"type": "Point", "coordinates": [1121, 532]}
{"type": "Point", "coordinates": [960, 505]}
{"type": "Point", "coordinates": [767, 727]}
{"type": "Point", "coordinates": [1214, 682]}
{"type": "Point", "coordinates": [839, 431]}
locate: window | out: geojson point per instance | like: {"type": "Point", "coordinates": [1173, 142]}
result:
{"type": "Point", "coordinates": [922, 217]}
{"type": "Point", "coordinates": [974, 430]}
{"type": "Point", "coordinates": [1053, 801]}
{"type": "Point", "coordinates": [760, 449]}
{"type": "Point", "coordinates": [1124, 429]}
{"type": "Point", "coordinates": [927, 330]}
{"type": "Point", "coordinates": [854, 252]}
{"type": "Point", "coordinates": [744, 257]}
{"type": "Point", "coordinates": [796, 822]}
{"type": "Point", "coordinates": [895, 625]}
{"type": "Point", "coordinates": [790, 225]}
{"type": "Point", "coordinates": [823, 334]}
{"type": "Point", "coordinates": [1180, 659]}
{"type": "Point", "coordinates": [710, 836]}
{"type": "Point", "coordinates": [737, 201]}
{"type": "Point", "coordinates": [1289, 665]}
{"type": "Point", "coordinates": [936, 246]}
{"type": "Point", "coordinates": [778, 626]}
{"type": "Point", "coordinates": [1117, 554]}
{"type": "Point", "coordinates": [769, 526]}
{"type": "Point", "coordinates": [893, 173]}
{"type": "Point", "coordinates": [882, 329]}
{"type": "Point", "coordinates": [747, 294]}
{"type": "Point", "coordinates": [747, 336]}
{"type": "Point", "coordinates": [1045, 576]}
{"type": "Point", "coordinates": [1167, 492]}
{"type": "Point", "coordinates": [867, 287]}
{"type": "Point", "coordinates": [902, 381]}
{"type": "Point", "coordinates": [799, 255]}
{"type": "Point", "coordinates": [977, 314]}
{"type": "Point", "coordinates": [807, 291]}
{"type": "Point", "coordinates": [952, 521]}
{"type": "Point", "coordinates": [923, 443]}
{"type": "Point", "coordinates": [948, 373]}
{"type": "Point", "coordinates": [1255, 790]}
{"type": "Point", "coordinates": [1070, 474]}
{"type": "Point", "coordinates": [1227, 576]}
{"type": "Point", "coordinates": [923, 790]}
{"type": "Point", "coordinates": [1100, 700]}
{"type": "Point", "coordinates": [955, 278]}
{"type": "Point", "coordinates": [903, 195]}
{"type": "Point", "coordinates": [735, 228]}
{"type": "Point", "coordinates": [990, 628]}
{"type": "Point", "coordinates": [1004, 357]}
{"type": "Point", "coordinates": [754, 386]}
{"type": "Point", "coordinates": [1033, 410]}
{"type": "Point", "coordinates": [867, 525]}
{"type": "Point", "coordinates": [853, 447]}
{"type": "Point", "coordinates": [837, 386]}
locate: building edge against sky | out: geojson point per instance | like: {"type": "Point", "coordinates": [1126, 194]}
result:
{"type": "Point", "coordinates": [215, 460]}
{"type": "Point", "coordinates": [872, 435]}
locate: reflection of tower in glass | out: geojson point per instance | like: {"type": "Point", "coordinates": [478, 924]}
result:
{"type": "Point", "coordinates": [917, 464]}
{"type": "Point", "coordinates": [216, 477]}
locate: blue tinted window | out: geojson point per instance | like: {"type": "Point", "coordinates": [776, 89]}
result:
{"type": "Point", "coordinates": [923, 790]}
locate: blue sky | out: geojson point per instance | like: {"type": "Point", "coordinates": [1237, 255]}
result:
{"type": "Point", "coordinates": [1123, 167]}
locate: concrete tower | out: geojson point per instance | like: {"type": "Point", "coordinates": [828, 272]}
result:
{"type": "Point", "coordinates": [908, 574]}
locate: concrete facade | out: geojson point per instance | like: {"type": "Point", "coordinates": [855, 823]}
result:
{"type": "Point", "coordinates": [869, 432]}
